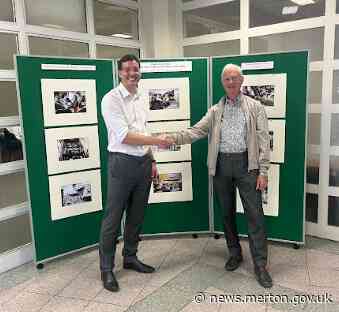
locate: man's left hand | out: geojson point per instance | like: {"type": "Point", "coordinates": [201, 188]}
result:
{"type": "Point", "coordinates": [155, 172]}
{"type": "Point", "coordinates": [261, 182]}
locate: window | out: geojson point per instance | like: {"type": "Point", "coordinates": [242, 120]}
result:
{"type": "Point", "coordinates": [110, 52]}
{"type": "Point", "coordinates": [6, 11]}
{"type": "Point", "coordinates": [61, 14]}
{"type": "Point", "coordinates": [314, 129]}
{"type": "Point", "coordinates": [334, 171]}
{"type": "Point", "coordinates": [310, 39]}
{"type": "Point", "coordinates": [312, 170]}
{"type": "Point", "coordinates": [312, 207]}
{"type": "Point", "coordinates": [335, 130]}
{"type": "Point", "coordinates": [267, 12]}
{"type": "Point", "coordinates": [315, 87]}
{"type": "Point", "coordinates": [53, 47]}
{"type": "Point", "coordinates": [8, 101]}
{"type": "Point", "coordinates": [335, 89]}
{"type": "Point", "coordinates": [231, 47]}
{"type": "Point", "coordinates": [17, 232]}
{"type": "Point", "coordinates": [112, 20]}
{"type": "Point", "coordinates": [212, 19]}
{"type": "Point", "coordinates": [333, 211]}
{"type": "Point", "coordinates": [13, 189]}
{"type": "Point", "coordinates": [8, 47]}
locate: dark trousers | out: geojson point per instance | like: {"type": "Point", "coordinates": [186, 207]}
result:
{"type": "Point", "coordinates": [232, 172]}
{"type": "Point", "coordinates": [129, 182]}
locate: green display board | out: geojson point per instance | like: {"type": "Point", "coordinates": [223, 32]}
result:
{"type": "Point", "coordinates": [289, 224]}
{"type": "Point", "coordinates": [58, 237]}
{"type": "Point", "coordinates": [53, 238]}
{"type": "Point", "coordinates": [190, 216]}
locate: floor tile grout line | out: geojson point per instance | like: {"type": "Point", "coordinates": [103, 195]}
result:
{"type": "Point", "coordinates": [164, 259]}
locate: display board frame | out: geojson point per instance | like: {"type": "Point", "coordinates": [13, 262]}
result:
{"type": "Point", "coordinates": [53, 239]}
{"type": "Point", "coordinates": [289, 225]}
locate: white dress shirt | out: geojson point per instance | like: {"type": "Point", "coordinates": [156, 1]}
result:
{"type": "Point", "coordinates": [124, 112]}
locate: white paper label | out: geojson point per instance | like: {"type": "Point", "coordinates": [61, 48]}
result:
{"type": "Point", "coordinates": [67, 67]}
{"type": "Point", "coordinates": [159, 67]}
{"type": "Point", "coordinates": [257, 65]}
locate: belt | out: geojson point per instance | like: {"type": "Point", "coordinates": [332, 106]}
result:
{"type": "Point", "coordinates": [234, 155]}
{"type": "Point", "coordinates": [131, 157]}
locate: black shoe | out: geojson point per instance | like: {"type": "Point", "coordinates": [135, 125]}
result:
{"type": "Point", "coordinates": [138, 266]}
{"type": "Point", "coordinates": [233, 263]}
{"type": "Point", "coordinates": [109, 281]}
{"type": "Point", "coordinates": [263, 277]}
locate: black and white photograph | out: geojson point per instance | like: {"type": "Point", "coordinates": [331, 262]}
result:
{"type": "Point", "coordinates": [166, 98]}
{"type": "Point", "coordinates": [264, 197]}
{"type": "Point", "coordinates": [74, 194]}
{"type": "Point", "coordinates": [173, 152]}
{"type": "Point", "coordinates": [263, 94]}
{"type": "Point", "coordinates": [163, 99]}
{"type": "Point", "coordinates": [270, 196]}
{"type": "Point", "coordinates": [168, 182]}
{"type": "Point", "coordinates": [174, 183]}
{"type": "Point", "coordinates": [277, 140]}
{"type": "Point", "coordinates": [72, 148]}
{"type": "Point", "coordinates": [269, 90]}
{"type": "Point", "coordinates": [10, 144]}
{"type": "Point", "coordinates": [69, 102]}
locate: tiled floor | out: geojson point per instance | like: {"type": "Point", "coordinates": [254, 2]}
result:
{"type": "Point", "coordinates": [188, 270]}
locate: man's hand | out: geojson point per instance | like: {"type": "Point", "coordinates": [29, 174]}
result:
{"type": "Point", "coordinates": [165, 141]}
{"type": "Point", "coordinates": [155, 172]}
{"type": "Point", "coordinates": [261, 182]}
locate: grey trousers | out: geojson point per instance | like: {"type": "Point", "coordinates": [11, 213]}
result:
{"type": "Point", "coordinates": [232, 172]}
{"type": "Point", "coordinates": [129, 182]}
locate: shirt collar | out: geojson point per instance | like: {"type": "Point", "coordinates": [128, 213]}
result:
{"type": "Point", "coordinates": [236, 102]}
{"type": "Point", "coordinates": [125, 93]}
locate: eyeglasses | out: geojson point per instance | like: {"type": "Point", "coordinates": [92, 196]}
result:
{"type": "Point", "coordinates": [230, 79]}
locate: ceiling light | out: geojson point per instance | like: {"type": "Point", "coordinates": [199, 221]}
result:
{"type": "Point", "coordinates": [122, 36]}
{"type": "Point", "coordinates": [303, 2]}
{"type": "Point", "coordinates": [289, 10]}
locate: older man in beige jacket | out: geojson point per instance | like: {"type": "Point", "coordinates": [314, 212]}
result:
{"type": "Point", "coordinates": [238, 156]}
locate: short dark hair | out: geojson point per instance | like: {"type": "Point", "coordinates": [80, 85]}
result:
{"type": "Point", "coordinates": [126, 58]}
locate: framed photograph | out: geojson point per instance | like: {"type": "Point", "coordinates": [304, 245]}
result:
{"type": "Point", "coordinates": [174, 152]}
{"type": "Point", "coordinates": [10, 144]}
{"type": "Point", "coordinates": [269, 90]}
{"type": "Point", "coordinates": [72, 148]}
{"type": "Point", "coordinates": [173, 185]}
{"type": "Point", "coordinates": [270, 196]}
{"type": "Point", "coordinates": [276, 130]}
{"type": "Point", "coordinates": [74, 194]}
{"type": "Point", "coordinates": [68, 102]}
{"type": "Point", "coordinates": [166, 98]}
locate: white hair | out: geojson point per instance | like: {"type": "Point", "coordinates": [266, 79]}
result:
{"type": "Point", "coordinates": [231, 66]}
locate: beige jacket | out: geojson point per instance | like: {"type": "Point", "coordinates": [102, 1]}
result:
{"type": "Point", "coordinates": [258, 140]}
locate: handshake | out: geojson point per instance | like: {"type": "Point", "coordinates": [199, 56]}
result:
{"type": "Point", "coordinates": [164, 141]}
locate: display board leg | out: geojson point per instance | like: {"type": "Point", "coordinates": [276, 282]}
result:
{"type": "Point", "coordinates": [216, 236]}
{"type": "Point", "coordinates": [40, 266]}
{"type": "Point", "coordinates": [296, 246]}
{"type": "Point", "coordinates": [195, 235]}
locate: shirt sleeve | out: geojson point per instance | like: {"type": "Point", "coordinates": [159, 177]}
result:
{"type": "Point", "coordinates": [114, 117]}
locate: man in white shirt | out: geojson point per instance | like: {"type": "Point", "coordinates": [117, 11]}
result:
{"type": "Point", "coordinates": [131, 168]}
